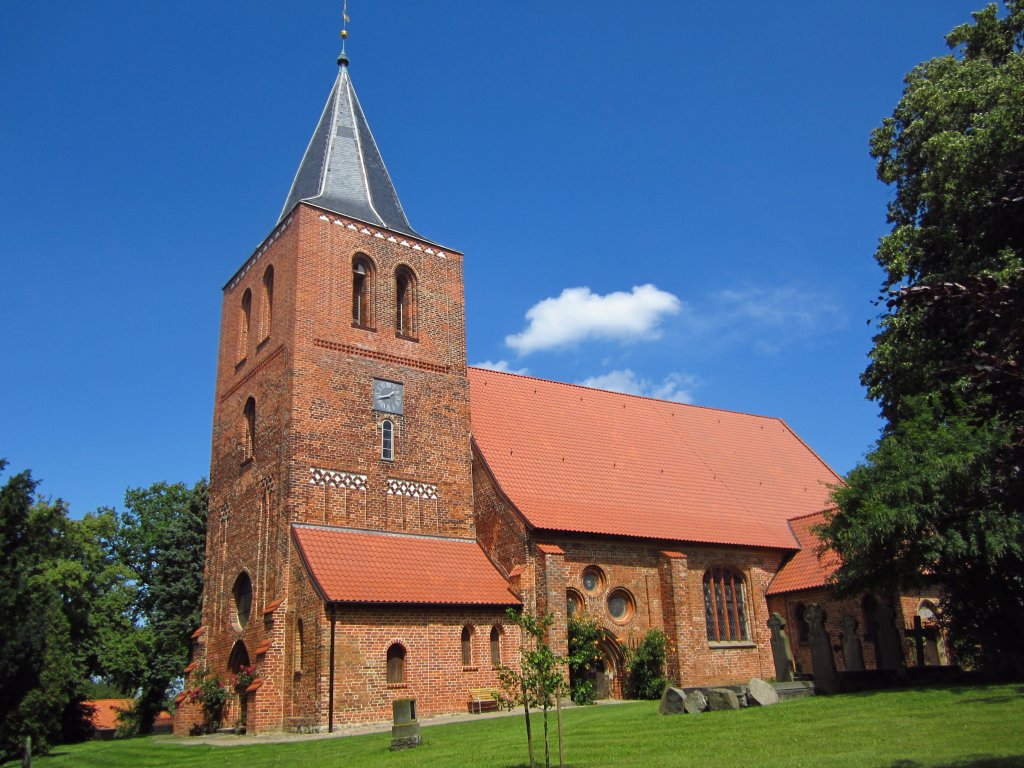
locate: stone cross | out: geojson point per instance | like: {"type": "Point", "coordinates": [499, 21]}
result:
{"type": "Point", "coordinates": [823, 664]}
{"type": "Point", "coordinates": [853, 652]}
{"type": "Point", "coordinates": [782, 653]}
{"type": "Point", "coordinates": [921, 635]}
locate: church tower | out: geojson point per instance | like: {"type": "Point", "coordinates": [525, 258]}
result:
{"type": "Point", "coordinates": [341, 462]}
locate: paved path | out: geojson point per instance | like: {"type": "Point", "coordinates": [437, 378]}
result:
{"type": "Point", "coordinates": [340, 731]}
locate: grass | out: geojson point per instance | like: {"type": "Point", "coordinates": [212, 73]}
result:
{"type": "Point", "coordinates": [919, 728]}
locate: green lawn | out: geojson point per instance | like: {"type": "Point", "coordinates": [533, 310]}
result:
{"type": "Point", "coordinates": [939, 727]}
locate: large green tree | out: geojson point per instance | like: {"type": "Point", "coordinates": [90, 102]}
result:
{"type": "Point", "coordinates": [160, 539]}
{"type": "Point", "coordinates": [939, 498]}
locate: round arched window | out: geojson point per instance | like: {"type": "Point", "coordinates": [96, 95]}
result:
{"type": "Point", "coordinates": [242, 592]}
{"type": "Point", "coordinates": [621, 605]}
{"type": "Point", "coordinates": [593, 579]}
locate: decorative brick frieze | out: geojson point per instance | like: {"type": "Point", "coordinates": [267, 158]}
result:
{"type": "Point", "coordinates": [332, 478]}
{"type": "Point", "coordinates": [411, 488]}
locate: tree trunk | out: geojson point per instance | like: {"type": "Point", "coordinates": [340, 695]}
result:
{"type": "Point", "coordinates": [529, 733]}
{"type": "Point", "coordinates": [547, 741]}
{"type": "Point", "coordinates": [558, 712]}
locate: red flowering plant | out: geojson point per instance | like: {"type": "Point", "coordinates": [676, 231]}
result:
{"type": "Point", "coordinates": [244, 677]}
{"type": "Point", "coordinates": [212, 694]}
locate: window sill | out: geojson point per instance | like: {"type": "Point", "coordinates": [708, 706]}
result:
{"type": "Point", "coordinates": [726, 644]}
{"type": "Point", "coordinates": [263, 343]}
{"type": "Point", "coordinates": [241, 362]}
{"type": "Point", "coordinates": [397, 686]}
{"type": "Point", "coordinates": [367, 328]}
{"type": "Point", "coordinates": [470, 669]}
{"type": "Point", "coordinates": [404, 337]}
{"type": "Point", "coordinates": [246, 463]}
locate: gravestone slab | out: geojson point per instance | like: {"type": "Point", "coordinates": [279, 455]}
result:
{"type": "Point", "coordinates": [853, 651]}
{"type": "Point", "coordinates": [695, 702]}
{"type": "Point", "coordinates": [760, 693]}
{"type": "Point", "coordinates": [823, 664]}
{"type": "Point", "coordinates": [782, 652]}
{"type": "Point", "coordinates": [722, 698]}
{"type": "Point", "coordinates": [672, 701]}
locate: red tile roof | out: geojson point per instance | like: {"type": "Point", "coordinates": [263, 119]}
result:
{"type": "Point", "coordinates": [806, 570]}
{"type": "Point", "coordinates": [262, 648]}
{"type": "Point", "coordinates": [273, 606]}
{"type": "Point", "coordinates": [353, 566]}
{"type": "Point", "coordinates": [551, 549]}
{"type": "Point", "coordinates": [577, 459]}
{"type": "Point", "coordinates": [105, 712]}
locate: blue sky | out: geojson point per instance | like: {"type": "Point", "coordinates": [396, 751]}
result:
{"type": "Point", "coordinates": [697, 169]}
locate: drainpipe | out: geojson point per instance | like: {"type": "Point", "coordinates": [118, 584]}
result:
{"type": "Point", "coordinates": [330, 693]}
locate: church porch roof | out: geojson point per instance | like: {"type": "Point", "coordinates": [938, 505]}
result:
{"type": "Point", "coordinates": [357, 566]}
{"type": "Point", "coordinates": [807, 569]}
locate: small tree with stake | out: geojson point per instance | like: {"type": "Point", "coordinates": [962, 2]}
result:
{"type": "Point", "coordinates": [540, 680]}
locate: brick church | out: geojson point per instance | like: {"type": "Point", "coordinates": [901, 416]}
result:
{"type": "Point", "coordinates": [376, 505]}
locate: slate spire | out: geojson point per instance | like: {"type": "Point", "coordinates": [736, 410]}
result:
{"type": "Point", "coordinates": [342, 170]}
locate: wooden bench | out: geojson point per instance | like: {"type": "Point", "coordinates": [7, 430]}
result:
{"type": "Point", "coordinates": [483, 700]}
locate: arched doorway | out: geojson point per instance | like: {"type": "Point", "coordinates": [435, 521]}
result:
{"type": "Point", "coordinates": [934, 647]}
{"type": "Point", "coordinates": [239, 657]}
{"type": "Point", "coordinates": [606, 674]}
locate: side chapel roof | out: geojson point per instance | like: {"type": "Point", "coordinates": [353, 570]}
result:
{"type": "Point", "coordinates": [357, 566]}
{"type": "Point", "coordinates": [342, 170]}
{"type": "Point", "coordinates": [807, 569]}
{"type": "Point", "coordinates": [581, 460]}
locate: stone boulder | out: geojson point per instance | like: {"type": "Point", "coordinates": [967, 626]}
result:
{"type": "Point", "coordinates": [760, 693]}
{"type": "Point", "coordinates": [672, 701]}
{"type": "Point", "coordinates": [722, 698]}
{"type": "Point", "coordinates": [695, 702]}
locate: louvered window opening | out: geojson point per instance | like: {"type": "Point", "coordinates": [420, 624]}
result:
{"type": "Point", "coordinates": [725, 606]}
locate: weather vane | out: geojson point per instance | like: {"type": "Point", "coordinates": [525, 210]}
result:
{"type": "Point", "coordinates": [344, 25]}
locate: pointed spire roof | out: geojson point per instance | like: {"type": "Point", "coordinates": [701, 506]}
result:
{"type": "Point", "coordinates": [342, 170]}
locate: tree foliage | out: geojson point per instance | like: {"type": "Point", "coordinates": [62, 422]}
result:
{"type": "Point", "coordinates": [939, 497]}
{"type": "Point", "coordinates": [106, 597]}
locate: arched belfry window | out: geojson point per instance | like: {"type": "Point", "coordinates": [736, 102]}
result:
{"type": "Point", "coordinates": [396, 663]}
{"type": "Point", "coordinates": [725, 608]}
{"type": "Point", "coordinates": [244, 321]}
{"type": "Point", "coordinates": [405, 302]}
{"type": "Point", "coordinates": [387, 440]}
{"type": "Point", "coordinates": [362, 291]}
{"type": "Point", "coordinates": [249, 429]}
{"type": "Point", "coordinates": [268, 301]}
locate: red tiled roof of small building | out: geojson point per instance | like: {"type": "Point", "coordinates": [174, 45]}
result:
{"type": "Point", "coordinates": [805, 570]}
{"type": "Point", "coordinates": [105, 712]}
{"type": "Point", "coordinates": [355, 566]}
{"type": "Point", "coordinates": [576, 459]}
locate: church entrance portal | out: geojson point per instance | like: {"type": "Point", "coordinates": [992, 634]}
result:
{"type": "Point", "coordinates": [606, 674]}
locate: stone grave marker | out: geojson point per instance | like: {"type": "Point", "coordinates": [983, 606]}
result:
{"type": "Point", "coordinates": [782, 652]}
{"type": "Point", "coordinates": [760, 693]}
{"type": "Point", "coordinates": [853, 651]}
{"type": "Point", "coordinates": [823, 665]}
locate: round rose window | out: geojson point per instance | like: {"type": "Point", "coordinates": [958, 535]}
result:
{"type": "Point", "coordinates": [593, 579]}
{"type": "Point", "coordinates": [620, 605]}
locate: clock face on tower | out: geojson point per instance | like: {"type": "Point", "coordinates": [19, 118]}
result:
{"type": "Point", "coordinates": [388, 396]}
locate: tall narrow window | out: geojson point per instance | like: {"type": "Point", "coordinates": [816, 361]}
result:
{"type": "Point", "coordinates": [387, 440]}
{"type": "Point", "coordinates": [244, 320]}
{"type": "Point", "coordinates": [467, 646]}
{"type": "Point", "coordinates": [405, 302]}
{"type": "Point", "coordinates": [495, 647]}
{"type": "Point", "coordinates": [396, 663]}
{"type": "Point", "coordinates": [249, 428]}
{"type": "Point", "coordinates": [362, 288]}
{"type": "Point", "coordinates": [268, 301]}
{"type": "Point", "coordinates": [242, 593]}
{"type": "Point", "coordinates": [725, 611]}
{"type": "Point", "coordinates": [297, 655]}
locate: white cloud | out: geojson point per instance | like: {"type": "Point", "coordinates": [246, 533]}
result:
{"type": "Point", "coordinates": [578, 314]}
{"type": "Point", "coordinates": [676, 386]}
{"type": "Point", "coordinates": [786, 312]}
{"type": "Point", "coordinates": [501, 365]}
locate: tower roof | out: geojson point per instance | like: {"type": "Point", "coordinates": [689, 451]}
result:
{"type": "Point", "coordinates": [342, 169]}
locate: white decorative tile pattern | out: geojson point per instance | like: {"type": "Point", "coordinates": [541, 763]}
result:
{"type": "Point", "coordinates": [411, 488]}
{"type": "Point", "coordinates": [333, 478]}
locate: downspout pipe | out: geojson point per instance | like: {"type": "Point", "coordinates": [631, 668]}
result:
{"type": "Point", "coordinates": [330, 692]}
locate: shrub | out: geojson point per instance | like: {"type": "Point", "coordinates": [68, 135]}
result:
{"type": "Point", "coordinates": [645, 667]}
{"type": "Point", "coordinates": [584, 637]}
